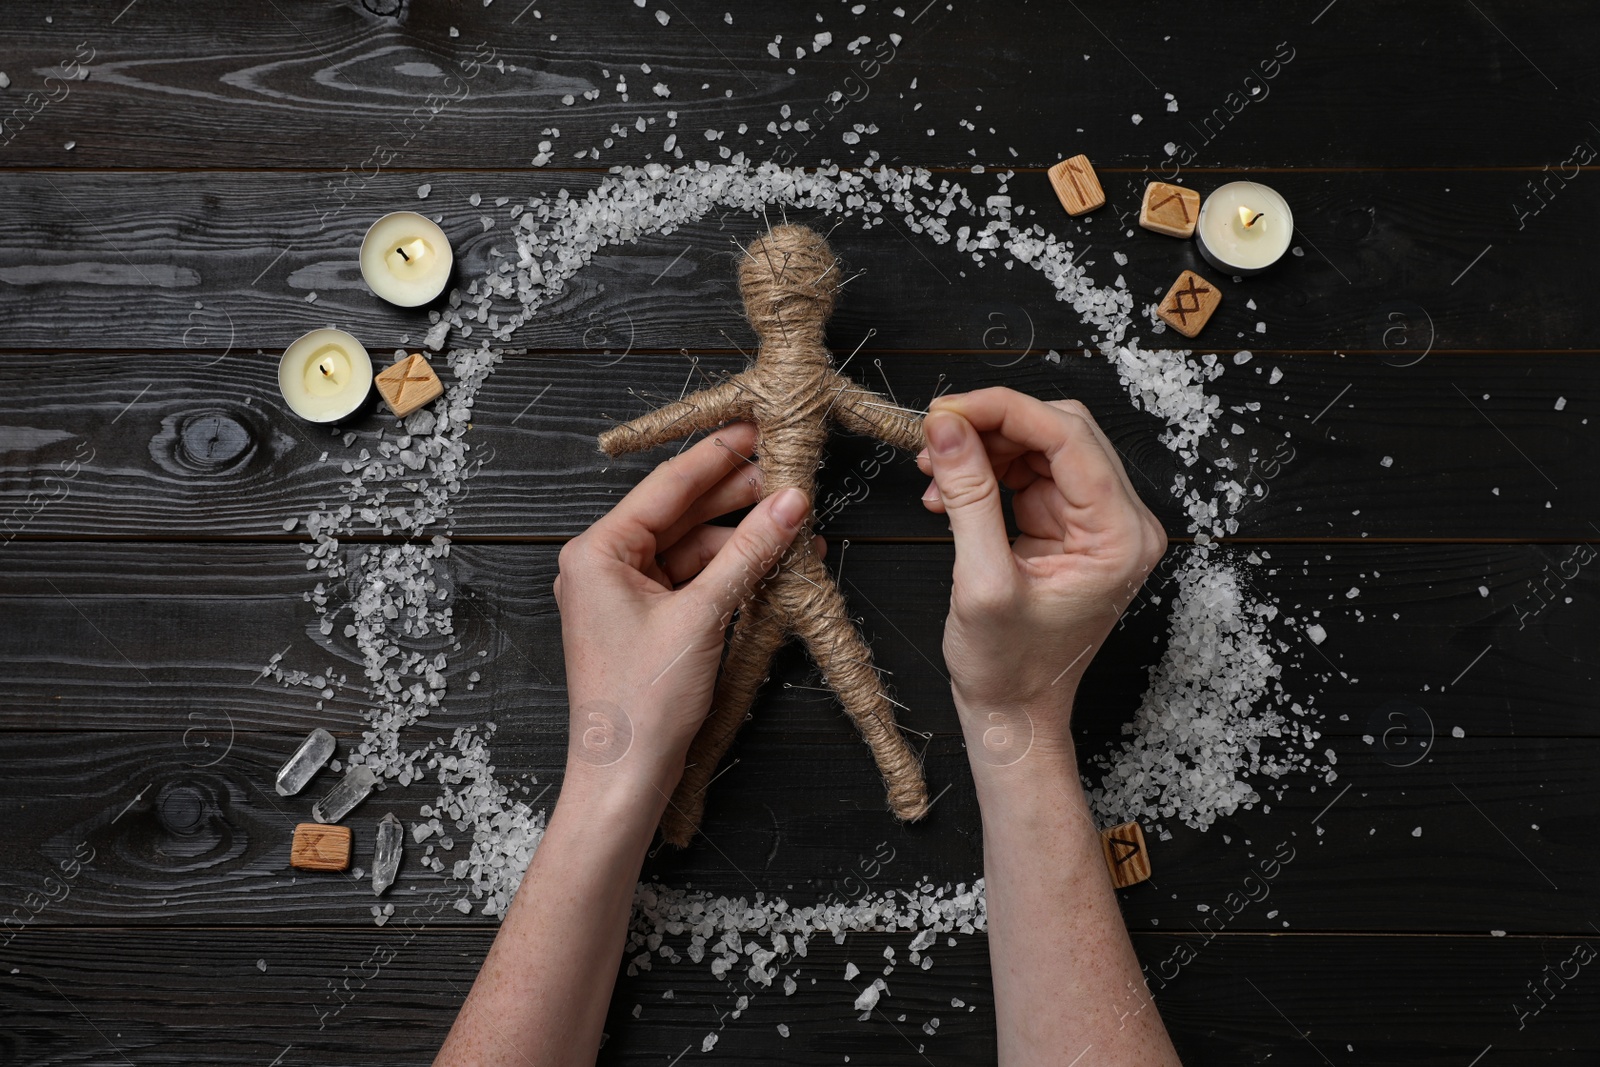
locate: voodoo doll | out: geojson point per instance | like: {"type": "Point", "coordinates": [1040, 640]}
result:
{"type": "Point", "coordinates": [788, 278]}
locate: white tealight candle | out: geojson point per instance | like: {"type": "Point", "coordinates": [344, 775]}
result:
{"type": "Point", "coordinates": [325, 375]}
{"type": "Point", "coordinates": [1244, 228]}
{"type": "Point", "coordinates": [406, 259]}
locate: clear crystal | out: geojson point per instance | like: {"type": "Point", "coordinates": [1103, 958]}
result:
{"type": "Point", "coordinates": [350, 791]}
{"type": "Point", "coordinates": [386, 853]}
{"type": "Point", "coordinates": [305, 763]}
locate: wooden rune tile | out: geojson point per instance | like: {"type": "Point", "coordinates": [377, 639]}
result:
{"type": "Point", "coordinates": [1188, 305]}
{"type": "Point", "coordinates": [1169, 209]}
{"type": "Point", "coordinates": [408, 383]}
{"type": "Point", "coordinates": [319, 847]}
{"type": "Point", "coordinates": [1125, 854]}
{"type": "Point", "coordinates": [1077, 185]}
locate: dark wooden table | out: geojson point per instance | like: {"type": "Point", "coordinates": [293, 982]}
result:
{"type": "Point", "coordinates": [167, 218]}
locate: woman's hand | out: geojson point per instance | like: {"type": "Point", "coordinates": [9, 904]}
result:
{"type": "Point", "coordinates": [1027, 617]}
{"type": "Point", "coordinates": [646, 594]}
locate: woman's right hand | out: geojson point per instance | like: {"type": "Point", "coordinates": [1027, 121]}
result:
{"type": "Point", "coordinates": [1026, 617]}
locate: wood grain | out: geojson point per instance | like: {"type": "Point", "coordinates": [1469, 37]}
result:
{"type": "Point", "coordinates": [169, 997]}
{"type": "Point", "coordinates": [336, 85]}
{"type": "Point", "coordinates": [173, 639]}
{"type": "Point", "coordinates": [179, 215]}
{"type": "Point", "coordinates": [1390, 264]}
{"type": "Point", "coordinates": [182, 826]}
{"type": "Point", "coordinates": [94, 446]}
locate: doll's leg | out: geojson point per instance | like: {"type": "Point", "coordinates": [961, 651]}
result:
{"type": "Point", "coordinates": [846, 664]}
{"type": "Point", "coordinates": [756, 637]}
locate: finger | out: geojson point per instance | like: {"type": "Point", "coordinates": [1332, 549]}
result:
{"type": "Point", "coordinates": [666, 493]}
{"type": "Point", "coordinates": [686, 559]}
{"type": "Point", "coordinates": [971, 499]}
{"type": "Point", "coordinates": [755, 546]}
{"type": "Point", "coordinates": [1003, 453]}
{"type": "Point", "coordinates": [738, 489]}
{"type": "Point", "coordinates": [1079, 464]}
{"type": "Point", "coordinates": [1016, 475]}
{"type": "Point", "coordinates": [1041, 512]}
{"type": "Point", "coordinates": [1105, 442]}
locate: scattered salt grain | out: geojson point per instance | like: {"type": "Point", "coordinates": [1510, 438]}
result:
{"type": "Point", "coordinates": [869, 996]}
{"type": "Point", "coordinates": [1561, 403]}
{"type": "Point", "coordinates": [1417, 832]}
{"type": "Point", "coordinates": [1456, 731]}
{"type": "Point", "coordinates": [1316, 633]}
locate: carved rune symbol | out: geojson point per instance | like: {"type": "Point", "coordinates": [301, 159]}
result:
{"type": "Point", "coordinates": [423, 378]}
{"type": "Point", "coordinates": [1181, 307]}
{"type": "Point", "coordinates": [1183, 207]}
{"type": "Point", "coordinates": [1122, 850]}
{"type": "Point", "coordinates": [1074, 172]}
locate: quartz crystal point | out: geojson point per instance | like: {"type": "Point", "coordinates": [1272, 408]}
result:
{"type": "Point", "coordinates": [305, 763]}
{"type": "Point", "coordinates": [352, 790]}
{"type": "Point", "coordinates": [386, 853]}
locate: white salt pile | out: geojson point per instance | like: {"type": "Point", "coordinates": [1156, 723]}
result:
{"type": "Point", "coordinates": [757, 940]}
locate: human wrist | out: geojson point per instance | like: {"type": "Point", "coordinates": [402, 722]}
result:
{"type": "Point", "coordinates": [1001, 731]}
{"type": "Point", "coordinates": [631, 793]}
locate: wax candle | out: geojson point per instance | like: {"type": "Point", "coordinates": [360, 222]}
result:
{"type": "Point", "coordinates": [1244, 228]}
{"type": "Point", "coordinates": [406, 259]}
{"type": "Point", "coordinates": [325, 375]}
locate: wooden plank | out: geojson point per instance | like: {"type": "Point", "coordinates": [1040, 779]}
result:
{"type": "Point", "coordinates": [175, 637]}
{"type": "Point", "coordinates": [1494, 827]}
{"type": "Point", "coordinates": [93, 446]}
{"type": "Point", "coordinates": [166, 638]}
{"type": "Point", "coordinates": [228, 262]}
{"type": "Point", "coordinates": [186, 996]}
{"type": "Point", "coordinates": [1280, 85]}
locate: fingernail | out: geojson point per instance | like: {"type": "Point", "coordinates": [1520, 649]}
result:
{"type": "Point", "coordinates": [933, 492]}
{"type": "Point", "coordinates": [944, 436]}
{"type": "Point", "coordinates": [789, 507]}
{"type": "Point", "coordinates": [922, 455]}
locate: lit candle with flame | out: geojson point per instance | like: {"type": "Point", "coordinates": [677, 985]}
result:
{"type": "Point", "coordinates": [325, 375]}
{"type": "Point", "coordinates": [1244, 228]}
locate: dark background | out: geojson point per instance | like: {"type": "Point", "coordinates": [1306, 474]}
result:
{"type": "Point", "coordinates": [151, 274]}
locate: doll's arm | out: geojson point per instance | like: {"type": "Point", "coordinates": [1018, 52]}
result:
{"type": "Point", "coordinates": [860, 410]}
{"type": "Point", "coordinates": [698, 411]}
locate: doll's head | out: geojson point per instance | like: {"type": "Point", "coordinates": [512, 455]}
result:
{"type": "Point", "coordinates": [788, 277]}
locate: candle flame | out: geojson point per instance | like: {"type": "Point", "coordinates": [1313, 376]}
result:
{"type": "Point", "coordinates": [326, 367]}
{"type": "Point", "coordinates": [1249, 216]}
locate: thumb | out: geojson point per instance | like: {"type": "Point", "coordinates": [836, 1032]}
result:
{"type": "Point", "coordinates": [752, 550]}
{"type": "Point", "coordinates": [971, 496]}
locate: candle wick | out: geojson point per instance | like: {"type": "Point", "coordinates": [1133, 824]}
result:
{"type": "Point", "coordinates": [1255, 218]}
{"type": "Point", "coordinates": [403, 254]}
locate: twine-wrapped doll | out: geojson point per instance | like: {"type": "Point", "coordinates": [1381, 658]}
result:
{"type": "Point", "coordinates": [792, 392]}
